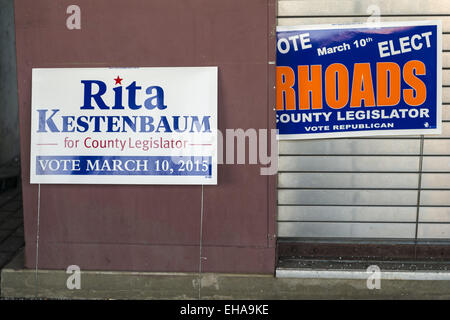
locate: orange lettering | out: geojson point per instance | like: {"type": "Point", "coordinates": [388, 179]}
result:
{"type": "Point", "coordinates": [410, 70]}
{"type": "Point", "coordinates": [394, 81]}
{"type": "Point", "coordinates": [336, 92]}
{"type": "Point", "coordinates": [362, 86]}
{"type": "Point", "coordinates": [285, 90]}
{"type": "Point", "coordinates": [305, 86]}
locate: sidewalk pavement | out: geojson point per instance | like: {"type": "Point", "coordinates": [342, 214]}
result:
{"type": "Point", "coordinates": [11, 225]}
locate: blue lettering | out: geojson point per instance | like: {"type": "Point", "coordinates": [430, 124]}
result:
{"type": "Point", "coordinates": [113, 122]}
{"type": "Point", "coordinates": [88, 95]}
{"type": "Point", "coordinates": [82, 123]}
{"type": "Point", "coordinates": [132, 88]}
{"type": "Point", "coordinates": [199, 126]}
{"type": "Point", "coordinates": [68, 121]}
{"type": "Point", "coordinates": [147, 122]}
{"type": "Point", "coordinates": [155, 101]}
{"type": "Point", "coordinates": [43, 121]}
{"type": "Point", "coordinates": [163, 123]}
{"type": "Point", "coordinates": [118, 98]}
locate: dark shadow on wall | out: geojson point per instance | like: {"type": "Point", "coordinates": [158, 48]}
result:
{"type": "Point", "coordinates": [9, 122]}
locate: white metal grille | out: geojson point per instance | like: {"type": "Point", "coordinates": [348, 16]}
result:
{"type": "Point", "coordinates": [372, 188]}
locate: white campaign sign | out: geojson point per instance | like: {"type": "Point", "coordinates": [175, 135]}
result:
{"type": "Point", "coordinates": [124, 126]}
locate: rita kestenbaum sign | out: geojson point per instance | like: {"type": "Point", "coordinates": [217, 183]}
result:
{"type": "Point", "coordinates": [124, 125]}
{"type": "Point", "coordinates": [359, 80]}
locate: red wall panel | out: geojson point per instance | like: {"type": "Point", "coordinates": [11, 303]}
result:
{"type": "Point", "coordinates": [155, 228]}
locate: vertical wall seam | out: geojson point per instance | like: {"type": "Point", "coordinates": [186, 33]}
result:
{"type": "Point", "coordinates": [269, 27]}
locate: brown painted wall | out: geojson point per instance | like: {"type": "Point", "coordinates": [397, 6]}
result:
{"type": "Point", "coordinates": [155, 228]}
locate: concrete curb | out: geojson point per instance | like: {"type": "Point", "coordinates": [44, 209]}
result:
{"type": "Point", "coordinates": [17, 282]}
{"type": "Point", "coordinates": [361, 274]}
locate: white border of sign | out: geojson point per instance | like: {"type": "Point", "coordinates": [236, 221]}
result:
{"type": "Point", "coordinates": [205, 102]}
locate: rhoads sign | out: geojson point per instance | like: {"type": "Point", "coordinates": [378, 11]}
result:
{"type": "Point", "coordinates": [359, 80]}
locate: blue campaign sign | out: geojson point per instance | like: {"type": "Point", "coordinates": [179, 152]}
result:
{"type": "Point", "coordinates": [359, 80]}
